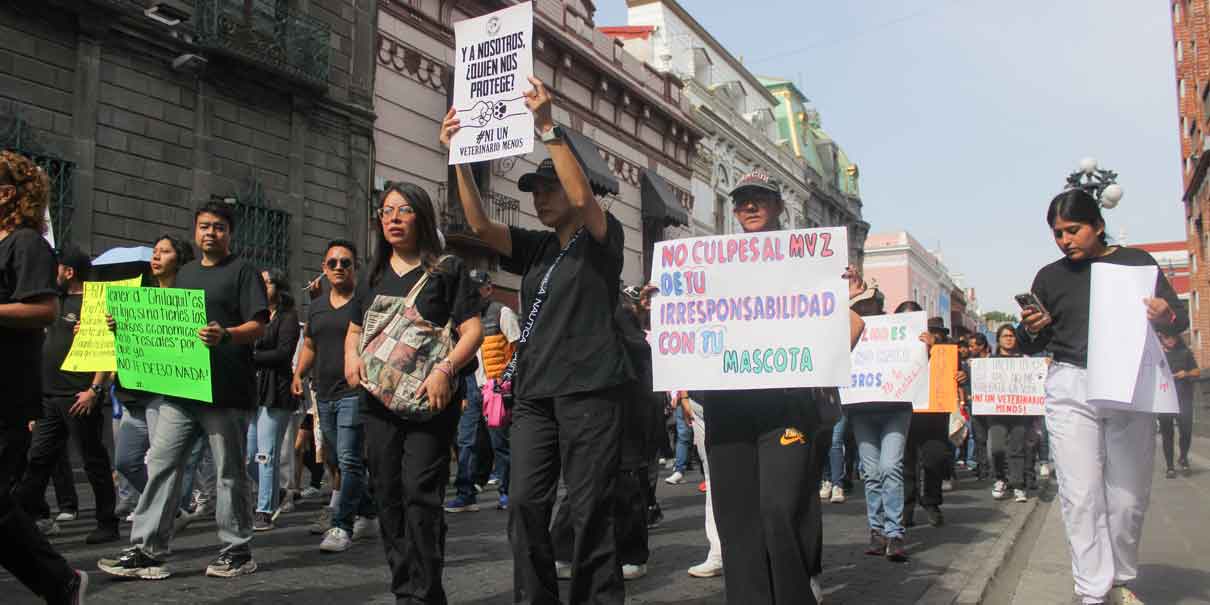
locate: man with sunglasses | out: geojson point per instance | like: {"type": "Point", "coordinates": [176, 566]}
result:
{"type": "Point", "coordinates": [338, 403]}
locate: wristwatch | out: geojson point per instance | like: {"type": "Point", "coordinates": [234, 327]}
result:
{"type": "Point", "coordinates": [552, 135]}
{"type": "Point", "coordinates": [226, 337]}
{"type": "Point", "coordinates": [97, 389]}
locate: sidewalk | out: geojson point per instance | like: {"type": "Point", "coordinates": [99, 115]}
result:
{"type": "Point", "coordinates": [1174, 562]}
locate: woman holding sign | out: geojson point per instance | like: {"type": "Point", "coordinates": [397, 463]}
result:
{"type": "Point", "coordinates": [570, 373]}
{"type": "Point", "coordinates": [763, 462]}
{"type": "Point", "coordinates": [1103, 456]}
{"type": "Point", "coordinates": [1007, 435]}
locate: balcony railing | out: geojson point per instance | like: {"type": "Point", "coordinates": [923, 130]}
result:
{"type": "Point", "coordinates": [266, 33]}
{"type": "Point", "coordinates": [499, 207]}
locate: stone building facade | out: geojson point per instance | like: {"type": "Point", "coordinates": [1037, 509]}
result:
{"type": "Point", "coordinates": [141, 110]}
{"type": "Point", "coordinates": [636, 117]}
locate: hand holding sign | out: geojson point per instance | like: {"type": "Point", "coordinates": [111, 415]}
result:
{"type": "Point", "coordinates": [450, 125]}
{"type": "Point", "coordinates": [1158, 309]}
{"type": "Point", "coordinates": [538, 102]}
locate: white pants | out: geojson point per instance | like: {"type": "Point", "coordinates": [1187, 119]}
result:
{"type": "Point", "coordinates": [1103, 460]}
{"type": "Point", "coordinates": [699, 441]}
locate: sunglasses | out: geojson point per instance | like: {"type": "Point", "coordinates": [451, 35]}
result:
{"type": "Point", "coordinates": [343, 263]}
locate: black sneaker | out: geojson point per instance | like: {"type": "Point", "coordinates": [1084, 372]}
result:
{"type": "Point", "coordinates": [654, 516]}
{"type": "Point", "coordinates": [134, 563]}
{"type": "Point", "coordinates": [936, 519]}
{"type": "Point", "coordinates": [103, 534]}
{"type": "Point", "coordinates": [1170, 473]}
{"type": "Point", "coordinates": [77, 589]}
{"type": "Point", "coordinates": [231, 564]}
{"type": "Point", "coordinates": [262, 522]}
{"type": "Point", "coordinates": [895, 551]}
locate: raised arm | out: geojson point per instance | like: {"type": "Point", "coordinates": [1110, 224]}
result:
{"type": "Point", "coordinates": [495, 235]}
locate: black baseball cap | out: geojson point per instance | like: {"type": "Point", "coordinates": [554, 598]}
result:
{"type": "Point", "coordinates": [480, 278]}
{"type": "Point", "coordinates": [70, 255]}
{"type": "Point", "coordinates": [758, 180]}
{"type": "Point", "coordinates": [545, 172]}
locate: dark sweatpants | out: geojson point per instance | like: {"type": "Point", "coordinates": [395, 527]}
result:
{"type": "Point", "coordinates": [1012, 458]}
{"type": "Point", "coordinates": [577, 436]}
{"type": "Point", "coordinates": [763, 472]}
{"type": "Point", "coordinates": [928, 448]}
{"type": "Point", "coordinates": [26, 553]}
{"type": "Point", "coordinates": [49, 446]}
{"type": "Point", "coordinates": [1184, 422]}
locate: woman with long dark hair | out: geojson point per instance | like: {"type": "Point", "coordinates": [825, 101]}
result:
{"type": "Point", "coordinates": [273, 355]}
{"type": "Point", "coordinates": [571, 372]}
{"type": "Point", "coordinates": [1008, 437]}
{"type": "Point", "coordinates": [1103, 456]}
{"type": "Point", "coordinates": [410, 283]}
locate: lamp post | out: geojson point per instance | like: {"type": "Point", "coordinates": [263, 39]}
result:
{"type": "Point", "coordinates": [1100, 183]}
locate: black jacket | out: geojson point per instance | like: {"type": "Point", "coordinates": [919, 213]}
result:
{"type": "Point", "coordinates": [273, 355]}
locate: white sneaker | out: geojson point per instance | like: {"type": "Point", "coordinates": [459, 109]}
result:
{"type": "Point", "coordinates": [130, 518]}
{"type": "Point", "coordinates": [999, 490]}
{"type": "Point", "coordinates": [493, 482]}
{"type": "Point", "coordinates": [1019, 495]}
{"type": "Point", "coordinates": [676, 478]}
{"type": "Point", "coordinates": [947, 485]}
{"type": "Point", "coordinates": [707, 569]}
{"type": "Point", "coordinates": [365, 528]}
{"type": "Point", "coordinates": [563, 570]}
{"type": "Point", "coordinates": [1121, 595]}
{"type": "Point", "coordinates": [309, 492]}
{"type": "Point", "coordinates": [48, 527]}
{"type": "Point", "coordinates": [336, 540]}
{"type": "Point", "coordinates": [1044, 470]}
{"type": "Point", "coordinates": [837, 494]}
{"type": "Point", "coordinates": [817, 590]}
{"type": "Point", "coordinates": [323, 522]}
{"type": "Point", "coordinates": [633, 572]}
{"type": "Point", "coordinates": [66, 516]}
{"type": "Point", "coordinates": [825, 490]}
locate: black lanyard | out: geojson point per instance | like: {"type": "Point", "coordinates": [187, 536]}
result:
{"type": "Point", "coordinates": [539, 300]}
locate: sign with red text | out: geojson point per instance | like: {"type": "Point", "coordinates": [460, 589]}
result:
{"type": "Point", "coordinates": [1008, 386]}
{"type": "Point", "coordinates": [493, 60]}
{"type": "Point", "coordinates": [751, 311]}
{"type": "Point", "coordinates": [890, 364]}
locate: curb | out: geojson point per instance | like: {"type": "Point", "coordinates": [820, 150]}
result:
{"type": "Point", "coordinates": [966, 580]}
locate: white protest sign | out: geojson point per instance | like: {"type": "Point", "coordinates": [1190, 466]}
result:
{"type": "Point", "coordinates": [890, 363]}
{"type": "Point", "coordinates": [1008, 386]}
{"type": "Point", "coordinates": [493, 60]}
{"type": "Point", "coordinates": [1126, 366]}
{"type": "Point", "coordinates": [751, 311]}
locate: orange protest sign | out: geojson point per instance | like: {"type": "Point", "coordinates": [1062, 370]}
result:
{"type": "Point", "coordinates": [943, 381]}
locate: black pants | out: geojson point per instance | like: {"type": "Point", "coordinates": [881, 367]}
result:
{"type": "Point", "coordinates": [980, 426]}
{"type": "Point", "coordinates": [65, 488]}
{"type": "Point", "coordinates": [929, 449]}
{"type": "Point", "coordinates": [51, 434]}
{"type": "Point", "coordinates": [409, 467]}
{"type": "Point", "coordinates": [26, 553]}
{"type": "Point", "coordinates": [764, 475]}
{"type": "Point", "coordinates": [1009, 439]}
{"type": "Point", "coordinates": [578, 436]}
{"type": "Point", "coordinates": [1184, 422]}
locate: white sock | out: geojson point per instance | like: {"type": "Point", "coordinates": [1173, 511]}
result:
{"type": "Point", "coordinates": [335, 498]}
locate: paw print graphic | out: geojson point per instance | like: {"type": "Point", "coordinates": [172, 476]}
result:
{"type": "Point", "coordinates": [500, 110]}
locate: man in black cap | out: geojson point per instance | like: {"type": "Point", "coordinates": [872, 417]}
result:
{"type": "Point", "coordinates": [74, 405]}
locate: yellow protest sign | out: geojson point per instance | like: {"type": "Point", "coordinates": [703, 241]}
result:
{"type": "Point", "coordinates": [92, 348]}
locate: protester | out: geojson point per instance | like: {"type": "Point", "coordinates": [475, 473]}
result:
{"type": "Point", "coordinates": [928, 456]}
{"type": "Point", "coordinates": [28, 303]}
{"type": "Point", "coordinates": [273, 355]}
{"type": "Point", "coordinates": [337, 402]}
{"type": "Point", "coordinates": [1008, 436]}
{"type": "Point", "coordinates": [413, 292]}
{"type": "Point", "coordinates": [501, 330]}
{"type": "Point", "coordinates": [237, 310]}
{"type": "Point", "coordinates": [761, 449]}
{"type": "Point", "coordinates": [881, 429]}
{"type": "Point", "coordinates": [683, 441]}
{"type": "Point", "coordinates": [832, 488]}
{"type": "Point", "coordinates": [570, 372]}
{"type": "Point", "coordinates": [1184, 371]}
{"type": "Point", "coordinates": [1103, 456]}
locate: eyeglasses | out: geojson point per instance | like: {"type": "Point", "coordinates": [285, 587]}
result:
{"type": "Point", "coordinates": [343, 263]}
{"type": "Point", "coordinates": [389, 212]}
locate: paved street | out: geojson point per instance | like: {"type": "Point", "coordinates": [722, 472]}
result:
{"type": "Point", "coordinates": [478, 567]}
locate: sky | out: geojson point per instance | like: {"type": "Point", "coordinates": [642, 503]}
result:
{"type": "Point", "coordinates": [966, 116]}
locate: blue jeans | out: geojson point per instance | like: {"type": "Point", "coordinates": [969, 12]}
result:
{"type": "Point", "coordinates": [265, 434]}
{"type": "Point", "coordinates": [468, 436]}
{"type": "Point", "coordinates": [836, 452]}
{"type": "Point", "coordinates": [132, 441]}
{"type": "Point", "coordinates": [881, 437]}
{"type": "Point", "coordinates": [344, 433]}
{"type": "Point", "coordinates": [501, 448]}
{"type": "Point", "coordinates": [684, 440]}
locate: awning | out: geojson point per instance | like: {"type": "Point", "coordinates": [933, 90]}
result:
{"type": "Point", "coordinates": [660, 204]}
{"type": "Point", "coordinates": [599, 175]}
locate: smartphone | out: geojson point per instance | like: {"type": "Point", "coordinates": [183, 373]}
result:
{"type": "Point", "coordinates": [1028, 300]}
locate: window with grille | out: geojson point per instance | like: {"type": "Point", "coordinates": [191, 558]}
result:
{"type": "Point", "coordinates": [17, 136]}
{"type": "Point", "coordinates": [262, 233]}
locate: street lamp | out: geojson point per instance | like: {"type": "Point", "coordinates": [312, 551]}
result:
{"type": "Point", "coordinates": [1101, 184]}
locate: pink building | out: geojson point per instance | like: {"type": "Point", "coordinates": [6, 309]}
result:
{"type": "Point", "coordinates": [905, 270]}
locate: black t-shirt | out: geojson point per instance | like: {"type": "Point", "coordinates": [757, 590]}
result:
{"type": "Point", "coordinates": [235, 294]}
{"type": "Point", "coordinates": [1064, 286]}
{"type": "Point", "coordinates": [27, 272]}
{"type": "Point", "coordinates": [1181, 359]}
{"type": "Point", "coordinates": [59, 337]}
{"type": "Point", "coordinates": [574, 346]}
{"type": "Point", "coordinates": [327, 327]}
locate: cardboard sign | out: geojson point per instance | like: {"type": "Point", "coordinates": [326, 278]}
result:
{"type": "Point", "coordinates": [157, 346]}
{"type": "Point", "coordinates": [493, 60]}
{"type": "Point", "coordinates": [890, 363]}
{"type": "Point", "coordinates": [92, 347]}
{"type": "Point", "coordinates": [1008, 386]}
{"type": "Point", "coordinates": [751, 311]}
{"type": "Point", "coordinates": [1126, 365]}
{"type": "Point", "coordinates": [943, 380]}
